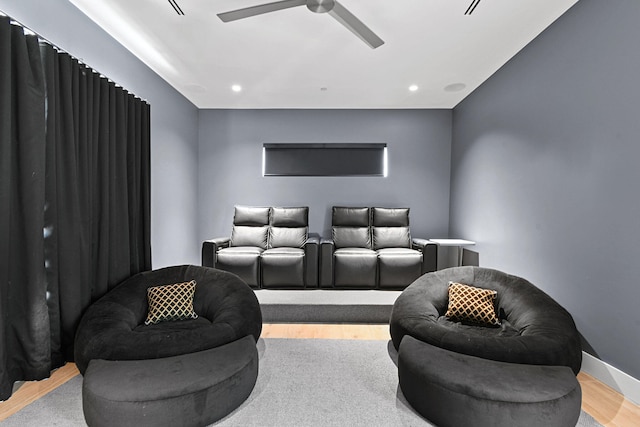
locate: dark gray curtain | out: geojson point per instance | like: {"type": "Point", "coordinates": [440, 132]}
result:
{"type": "Point", "coordinates": [74, 199]}
{"type": "Point", "coordinates": [24, 328]}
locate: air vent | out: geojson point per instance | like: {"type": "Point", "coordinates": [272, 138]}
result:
{"type": "Point", "coordinates": [472, 7]}
{"type": "Point", "coordinates": [177, 8]}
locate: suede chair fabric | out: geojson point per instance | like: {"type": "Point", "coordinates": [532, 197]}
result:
{"type": "Point", "coordinates": [457, 390]}
{"type": "Point", "coordinates": [194, 389]}
{"type": "Point", "coordinates": [534, 328]}
{"type": "Point", "coordinates": [113, 327]}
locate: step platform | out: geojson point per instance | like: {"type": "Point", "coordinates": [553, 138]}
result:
{"type": "Point", "coordinates": [326, 306]}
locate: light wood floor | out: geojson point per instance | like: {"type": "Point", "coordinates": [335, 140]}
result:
{"type": "Point", "coordinates": [600, 401]}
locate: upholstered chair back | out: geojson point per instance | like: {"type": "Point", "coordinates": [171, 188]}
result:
{"type": "Point", "coordinates": [250, 227]}
{"type": "Point", "coordinates": [350, 227]}
{"type": "Point", "coordinates": [390, 228]}
{"type": "Point", "coordinates": [289, 227]}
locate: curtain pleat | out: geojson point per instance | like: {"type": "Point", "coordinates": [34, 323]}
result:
{"type": "Point", "coordinates": [24, 349]}
{"type": "Point", "coordinates": [75, 199]}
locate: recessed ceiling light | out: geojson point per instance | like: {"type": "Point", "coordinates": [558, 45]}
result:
{"type": "Point", "coordinates": [413, 88]}
{"type": "Point", "coordinates": [236, 88]}
{"type": "Point", "coordinates": [455, 87]}
{"type": "Point", "coordinates": [195, 88]}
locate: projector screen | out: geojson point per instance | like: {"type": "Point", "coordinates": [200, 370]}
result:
{"type": "Point", "coordinates": [324, 159]}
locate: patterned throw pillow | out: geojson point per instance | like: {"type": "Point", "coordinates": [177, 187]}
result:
{"type": "Point", "coordinates": [171, 302]}
{"type": "Point", "coordinates": [471, 304]}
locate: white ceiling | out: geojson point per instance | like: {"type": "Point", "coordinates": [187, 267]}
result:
{"type": "Point", "coordinates": [298, 59]}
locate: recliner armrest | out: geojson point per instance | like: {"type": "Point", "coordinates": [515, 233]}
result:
{"type": "Point", "coordinates": [210, 249]}
{"type": "Point", "coordinates": [311, 260]}
{"type": "Point", "coordinates": [327, 247]}
{"type": "Point", "coordinates": [314, 239]}
{"type": "Point", "coordinates": [419, 244]}
{"type": "Point", "coordinates": [429, 251]}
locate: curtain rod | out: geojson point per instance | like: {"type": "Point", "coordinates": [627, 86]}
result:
{"type": "Point", "coordinates": [29, 31]}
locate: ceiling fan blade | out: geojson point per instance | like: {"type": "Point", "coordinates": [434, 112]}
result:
{"type": "Point", "coordinates": [259, 10]}
{"type": "Point", "coordinates": [346, 18]}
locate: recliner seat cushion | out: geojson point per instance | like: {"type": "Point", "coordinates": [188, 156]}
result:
{"type": "Point", "coordinates": [398, 266]}
{"type": "Point", "coordinates": [283, 267]}
{"type": "Point", "coordinates": [243, 261]}
{"type": "Point", "coordinates": [247, 250]}
{"type": "Point", "coordinates": [355, 268]}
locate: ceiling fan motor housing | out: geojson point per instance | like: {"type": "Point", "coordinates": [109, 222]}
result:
{"type": "Point", "coordinates": [320, 6]}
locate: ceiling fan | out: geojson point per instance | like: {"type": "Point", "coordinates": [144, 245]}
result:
{"type": "Point", "coordinates": [332, 7]}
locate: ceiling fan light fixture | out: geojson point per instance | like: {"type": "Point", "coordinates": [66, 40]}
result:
{"type": "Point", "coordinates": [320, 6]}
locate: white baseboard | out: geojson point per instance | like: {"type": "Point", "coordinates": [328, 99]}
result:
{"type": "Point", "coordinates": [623, 383]}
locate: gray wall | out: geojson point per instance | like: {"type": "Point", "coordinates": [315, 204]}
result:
{"type": "Point", "coordinates": [419, 150]}
{"type": "Point", "coordinates": [174, 121]}
{"type": "Point", "coordinates": [545, 171]}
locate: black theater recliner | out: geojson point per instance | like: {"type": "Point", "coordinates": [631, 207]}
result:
{"type": "Point", "coordinates": [269, 247]}
{"type": "Point", "coordinates": [372, 248]}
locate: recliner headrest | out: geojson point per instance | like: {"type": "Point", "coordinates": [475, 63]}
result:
{"type": "Point", "coordinates": [350, 217]}
{"type": "Point", "coordinates": [390, 217]}
{"type": "Point", "coordinates": [251, 216]}
{"type": "Point", "coordinates": [290, 217]}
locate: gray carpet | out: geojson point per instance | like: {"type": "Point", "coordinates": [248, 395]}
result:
{"type": "Point", "coordinates": [302, 382]}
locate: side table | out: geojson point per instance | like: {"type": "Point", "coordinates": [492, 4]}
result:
{"type": "Point", "coordinates": [458, 243]}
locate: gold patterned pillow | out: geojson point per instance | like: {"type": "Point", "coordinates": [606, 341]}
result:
{"type": "Point", "coordinates": [471, 304]}
{"type": "Point", "coordinates": [171, 302]}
